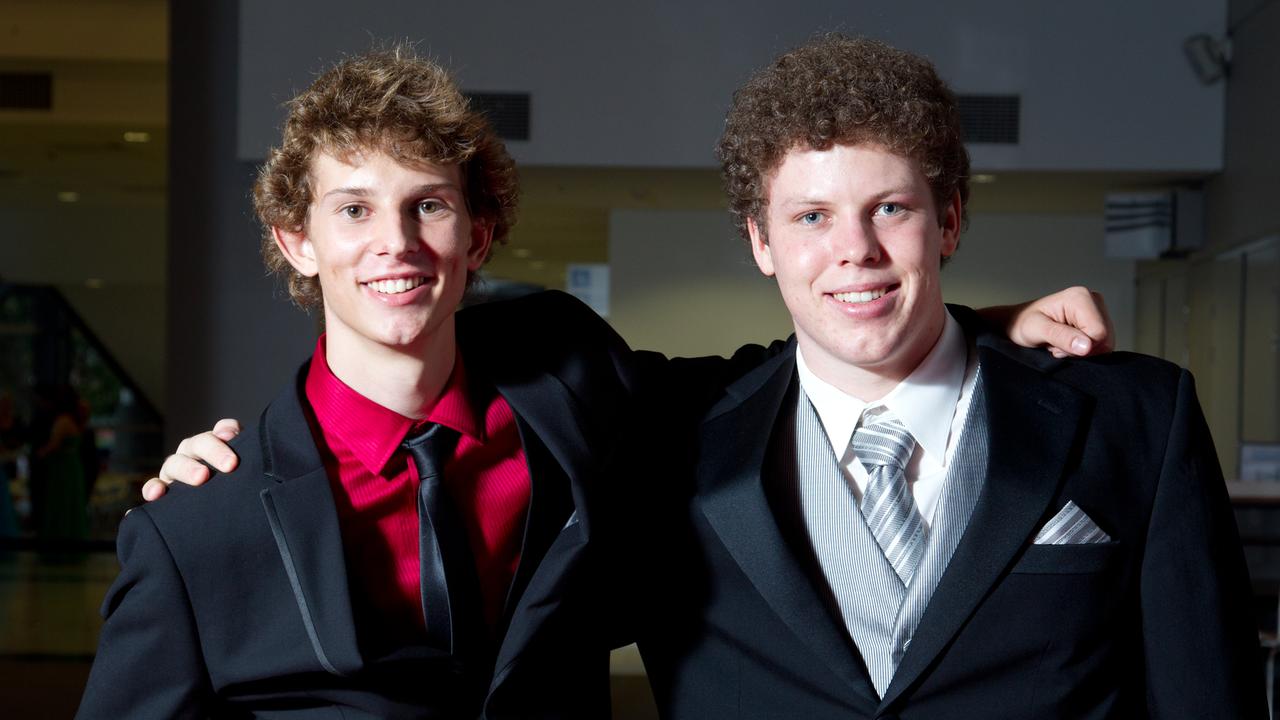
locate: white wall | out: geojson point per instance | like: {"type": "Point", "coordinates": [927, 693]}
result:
{"type": "Point", "coordinates": [1104, 84]}
{"type": "Point", "coordinates": [682, 282]}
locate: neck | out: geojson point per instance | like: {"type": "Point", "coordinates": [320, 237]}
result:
{"type": "Point", "coordinates": [407, 379]}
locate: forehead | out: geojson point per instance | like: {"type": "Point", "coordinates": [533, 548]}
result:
{"type": "Point", "coordinates": [375, 169]}
{"type": "Point", "coordinates": [864, 167]}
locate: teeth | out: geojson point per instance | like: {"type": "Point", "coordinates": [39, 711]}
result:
{"type": "Point", "coordinates": [859, 297]}
{"type": "Point", "coordinates": [395, 287]}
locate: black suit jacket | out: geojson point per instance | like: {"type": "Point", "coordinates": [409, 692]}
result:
{"type": "Point", "coordinates": [233, 598]}
{"type": "Point", "coordinates": [1156, 623]}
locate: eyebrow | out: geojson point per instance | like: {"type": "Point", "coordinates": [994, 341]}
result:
{"type": "Point", "coordinates": [819, 200]}
{"type": "Point", "coordinates": [423, 189]}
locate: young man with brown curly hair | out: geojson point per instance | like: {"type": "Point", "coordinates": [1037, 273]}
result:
{"type": "Point", "coordinates": [340, 565]}
{"type": "Point", "coordinates": [902, 516]}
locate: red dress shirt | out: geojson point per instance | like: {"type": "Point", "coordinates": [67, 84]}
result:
{"type": "Point", "coordinates": [375, 489]}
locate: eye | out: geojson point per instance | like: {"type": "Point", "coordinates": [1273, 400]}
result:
{"type": "Point", "coordinates": [430, 207]}
{"type": "Point", "coordinates": [890, 209]}
{"type": "Point", "coordinates": [354, 212]}
{"type": "Point", "coordinates": [811, 218]}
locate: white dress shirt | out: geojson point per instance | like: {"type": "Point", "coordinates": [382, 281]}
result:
{"type": "Point", "coordinates": [932, 402]}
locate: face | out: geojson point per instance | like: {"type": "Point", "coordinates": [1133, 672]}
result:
{"type": "Point", "coordinates": [392, 246]}
{"type": "Point", "coordinates": [855, 243]}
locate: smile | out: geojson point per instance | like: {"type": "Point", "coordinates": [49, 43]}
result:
{"type": "Point", "coordinates": [397, 286]}
{"type": "Point", "coordinates": [865, 296]}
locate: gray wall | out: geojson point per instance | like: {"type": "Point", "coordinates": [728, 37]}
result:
{"type": "Point", "coordinates": [1242, 200]}
{"type": "Point", "coordinates": [1104, 84]}
{"type": "Point", "coordinates": [232, 341]}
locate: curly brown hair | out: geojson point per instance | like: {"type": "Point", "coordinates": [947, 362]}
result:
{"type": "Point", "coordinates": [391, 101]}
{"type": "Point", "coordinates": [837, 89]}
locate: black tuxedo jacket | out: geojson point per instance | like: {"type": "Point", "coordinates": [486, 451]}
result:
{"type": "Point", "coordinates": [233, 598]}
{"type": "Point", "coordinates": [1156, 623]}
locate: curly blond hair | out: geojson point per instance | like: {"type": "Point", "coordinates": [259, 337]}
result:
{"type": "Point", "coordinates": [391, 101]}
{"type": "Point", "coordinates": [838, 89]}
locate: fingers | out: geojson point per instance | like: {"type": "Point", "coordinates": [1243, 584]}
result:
{"type": "Point", "coordinates": [1086, 312]}
{"type": "Point", "coordinates": [1073, 323]}
{"type": "Point", "coordinates": [153, 489]}
{"type": "Point", "coordinates": [1107, 343]}
{"type": "Point", "coordinates": [196, 454]}
{"type": "Point", "coordinates": [1062, 338]}
{"type": "Point", "coordinates": [184, 469]}
{"type": "Point", "coordinates": [226, 429]}
{"type": "Point", "coordinates": [206, 447]}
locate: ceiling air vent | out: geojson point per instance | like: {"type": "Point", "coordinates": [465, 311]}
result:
{"type": "Point", "coordinates": [990, 118]}
{"type": "Point", "coordinates": [26, 91]}
{"type": "Point", "coordinates": [509, 112]}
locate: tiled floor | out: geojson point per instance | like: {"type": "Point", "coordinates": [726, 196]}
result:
{"type": "Point", "coordinates": [49, 602]}
{"type": "Point", "coordinates": [49, 627]}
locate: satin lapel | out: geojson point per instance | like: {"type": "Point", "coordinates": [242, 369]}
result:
{"type": "Point", "coordinates": [550, 515]}
{"type": "Point", "coordinates": [1032, 424]}
{"type": "Point", "coordinates": [732, 497]}
{"type": "Point", "coordinates": [556, 445]}
{"type": "Point", "coordinates": [304, 522]}
{"type": "Point", "coordinates": [549, 410]}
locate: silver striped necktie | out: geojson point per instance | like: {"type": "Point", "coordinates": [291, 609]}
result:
{"type": "Point", "coordinates": [883, 445]}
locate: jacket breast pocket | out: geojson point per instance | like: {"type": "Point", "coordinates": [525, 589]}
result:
{"type": "Point", "coordinates": [1067, 559]}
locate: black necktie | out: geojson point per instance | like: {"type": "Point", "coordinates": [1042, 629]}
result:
{"type": "Point", "coordinates": [448, 574]}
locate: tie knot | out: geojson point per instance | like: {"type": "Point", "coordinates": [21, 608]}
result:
{"type": "Point", "coordinates": [430, 448]}
{"type": "Point", "coordinates": [883, 441]}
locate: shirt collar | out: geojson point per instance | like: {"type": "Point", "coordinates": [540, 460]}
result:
{"type": "Point", "coordinates": [372, 432]}
{"type": "Point", "coordinates": [925, 401]}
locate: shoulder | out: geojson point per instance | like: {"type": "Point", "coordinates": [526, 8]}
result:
{"type": "Point", "coordinates": [546, 311]}
{"type": "Point", "coordinates": [1119, 384]}
{"type": "Point", "coordinates": [549, 331]}
{"type": "Point", "coordinates": [186, 510]}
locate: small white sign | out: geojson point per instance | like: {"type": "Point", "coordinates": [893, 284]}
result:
{"type": "Point", "coordinates": [1260, 461]}
{"type": "Point", "coordinates": [589, 282]}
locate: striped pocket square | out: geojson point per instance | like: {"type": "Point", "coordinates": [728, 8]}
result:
{"type": "Point", "coordinates": [1071, 526]}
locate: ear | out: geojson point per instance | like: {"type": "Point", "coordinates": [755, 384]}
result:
{"type": "Point", "coordinates": [298, 250]}
{"type": "Point", "coordinates": [951, 225]}
{"type": "Point", "coordinates": [481, 242]}
{"type": "Point", "coordinates": [760, 249]}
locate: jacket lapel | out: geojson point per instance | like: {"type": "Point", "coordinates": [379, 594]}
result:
{"type": "Point", "coordinates": [556, 445]}
{"type": "Point", "coordinates": [304, 521]}
{"type": "Point", "coordinates": [732, 496]}
{"type": "Point", "coordinates": [1032, 424]}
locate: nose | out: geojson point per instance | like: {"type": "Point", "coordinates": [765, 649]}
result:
{"type": "Point", "coordinates": [858, 244]}
{"type": "Point", "coordinates": [397, 235]}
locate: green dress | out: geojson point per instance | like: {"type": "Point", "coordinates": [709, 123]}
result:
{"type": "Point", "coordinates": [65, 514]}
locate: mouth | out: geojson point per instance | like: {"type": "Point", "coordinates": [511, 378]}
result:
{"type": "Point", "coordinates": [395, 286]}
{"type": "Point", "coordinates": [859, 297]}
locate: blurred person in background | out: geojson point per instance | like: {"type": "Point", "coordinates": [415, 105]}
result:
{"type": "Point", "coordinates": [10, 442]}
{"type": "Point", "coordinates": [64, 510]}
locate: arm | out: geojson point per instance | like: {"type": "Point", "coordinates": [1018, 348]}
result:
{"type": "Point", "coordinates": [1070, 322]}
{"type": "Point", "coordinates": [132, 640]}
{"type": "Point", "coordinates": [1199, 637]}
